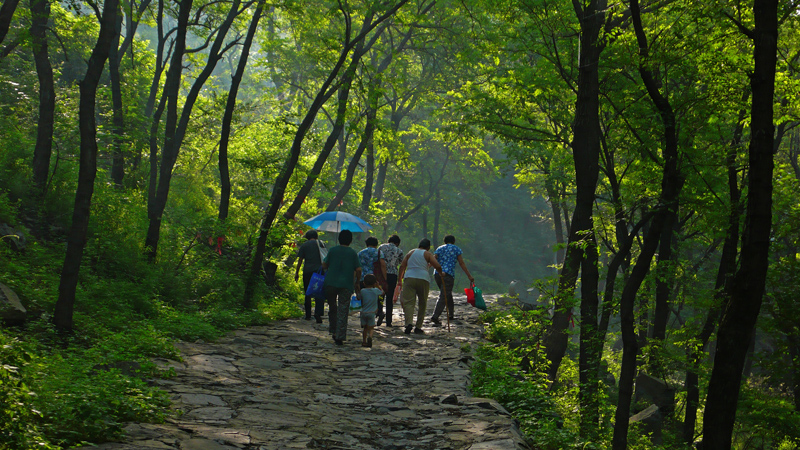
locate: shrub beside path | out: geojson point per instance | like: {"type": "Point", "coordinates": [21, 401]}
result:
{"type": "Point", "coordinates": [286, 385]}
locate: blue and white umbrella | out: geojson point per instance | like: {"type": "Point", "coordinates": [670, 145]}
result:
{"type": "Point", "coordinates": [337, 221]}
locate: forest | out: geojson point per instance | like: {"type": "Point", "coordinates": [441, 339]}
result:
{"type": "Point", "coordinates": [632, 167]}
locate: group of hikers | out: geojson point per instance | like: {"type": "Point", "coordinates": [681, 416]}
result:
{"type": "Point", "coordinates": [374, 274]}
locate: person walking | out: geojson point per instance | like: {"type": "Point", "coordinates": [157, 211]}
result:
{"type": "Point", "coordinates": [372, 263]}
{"type": "Point", "coordinates": [393, 255]}
{"type": "Point", "coordinates": [342, 278]}
{"type": "Point", "coordinates": [309, 256]}
{"type": "Point", "coordinates": [416, 283]}
{"type": "Point", "coordinates": [370, 294]}
{"type": "Point", "coordinates": [447, 255]}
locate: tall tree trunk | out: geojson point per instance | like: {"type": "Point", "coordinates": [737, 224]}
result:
{"type": "Point", "coordinates": [335, 135]}
{"type": "Point", "coordinates": [170, 98]}
{"type": "Point", "coordinates": [279, 188]}
{"type": "Point", "coordinates": [727, 267]}
{"type": "Point", "coordinates": [76, 240]}
{"type": "Point", "coordinates": [664, 278]}
{"type": "Point", "coordinates": [176, 130]}
{"type": "Point", "coordinates": [40, 14]}
{"type": "Point", "coordinates": [227, 118]}
{"type": "Point", "coordinates": [738, 321]}
{"type": "Point", "coordinates": [380, 180]}
{"type": "Point", "coordinates": [436, 217]}
{"type": "Point", "coordinates": [585, 153]}
{"type": "Point", "coordinates": [671, 185]}
{"type": "Point", "coordinates": [555, 205]}
{"type": "Point", "coordinates": [150, 106]}
{"type": "Point", "coordinates": [114, 60]}
{"type": "Point", "coordinates": [369, 171]}
{"type": "Point", "coordinates": [366, 142]}
{"type": "Point", "coordinates": [6, 13]}
{"type": "Point", "coordinates": [590, 344]}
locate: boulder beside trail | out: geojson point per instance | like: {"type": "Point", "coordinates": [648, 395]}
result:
{"type": "Point", "coordinates": [11, 310]}
{"type": "Point", "coordinates": [13, 238]}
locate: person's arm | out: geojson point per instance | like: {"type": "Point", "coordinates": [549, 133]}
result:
{"type": "Point", "coordinates": [464, 268]}
{"type": "Point", "coordinates": [356, 281]}
{"type": "Point", "coordinates": [402, 270]}
{"type": "Point", "coordinates": [432, 261]}
{"type": "Point", "coordinates": [297, 272]}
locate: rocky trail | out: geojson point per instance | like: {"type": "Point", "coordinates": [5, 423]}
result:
{"type": "Point", "coordinates": [288, 386]}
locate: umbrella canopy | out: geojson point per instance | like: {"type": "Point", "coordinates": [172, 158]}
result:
{"type": "Point", "coordinates": [338, 221]}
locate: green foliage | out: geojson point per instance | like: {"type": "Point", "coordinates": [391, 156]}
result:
{"type": "Point", "coordinates": [765, 418]}
{"type": "Point", "coordinates": [19, 418]}
{"type": "Point", "coordinates": [510, 370]}
{"type": "Point", "coordinates": [8, 209]}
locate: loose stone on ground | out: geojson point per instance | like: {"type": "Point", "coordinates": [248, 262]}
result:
{"type": "Point", "coordinates": [288, 386]}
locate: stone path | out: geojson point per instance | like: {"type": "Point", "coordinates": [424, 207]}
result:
{"type": "Point", "coordinates": [288, 386]}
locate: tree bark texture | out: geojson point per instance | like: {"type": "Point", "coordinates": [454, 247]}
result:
{"type": "Point", "coordinates": [170, 97]}
{"type": "Point", "coordinates": [118, 159]}
{"type": "Point", "coordinates": [369, 171]}
{"type": "Point", "coordinates": [671, 185]}
{"type": "Point", "coordinates": [585, 153]}
{"type": "Point", "coordinates": [76, 240]}
{"type": "Point", "coordinates": [6, 13]}
{"type": "Point", "coordinates": [738, 321]}
{"type": "Point", "coordinates": [40, 14]}
{"type": "Point", "coordinates": [227, 118]}
{"type": "Point", "coordinates": [590, 344]}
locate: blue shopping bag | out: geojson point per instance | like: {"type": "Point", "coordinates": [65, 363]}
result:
{"type": "Point", "coordinates": [315, 289]}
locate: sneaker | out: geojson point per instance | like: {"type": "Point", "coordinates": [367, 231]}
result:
{"type": "Point", "coordinates": [388, 324]}
{"type": "Point", "coordinates": [408, 329]}
{"type": "Point", "coordinates": [435, 321]}
{"type": "Point", "coordinates": [435, 324]}
{"type": "Point", "coordinates": [418, 331]}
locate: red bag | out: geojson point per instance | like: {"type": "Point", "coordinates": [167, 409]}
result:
{"type": "Point", "coordinates": [376, 270]}
{"type": "Point", "coordinates": [470, 291]}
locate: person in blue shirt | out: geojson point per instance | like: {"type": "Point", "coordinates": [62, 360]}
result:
{"type": "Point", "coordinates": [370, 294]}
{"type": "Point", "coordinates": [447, 255]}
{"type": "Point", "coordinates": [373, 263]}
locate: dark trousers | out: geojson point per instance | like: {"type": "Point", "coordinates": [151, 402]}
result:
{"type": "Point", "coordinates": [319, 306]}
{"type": "Point", "coordinates": [338, 310]}
{"type": "Point", "coordinates": [445, 295]}
{"type": "Point", "coordinates": [391, 281]}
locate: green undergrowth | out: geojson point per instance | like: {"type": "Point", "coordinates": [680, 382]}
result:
{"type": "Point", "coordinates": [62, 391]}
{"type": "Point", "coordinates": [507, 369]}
{"type": "Point", "coordinates": [510, 367]}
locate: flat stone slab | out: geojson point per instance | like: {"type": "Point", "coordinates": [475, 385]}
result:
{"type": "Point", "coordinates": [287, 385]}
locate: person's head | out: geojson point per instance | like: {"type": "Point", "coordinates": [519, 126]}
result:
{"type": "Point", "coordinates": [449, 239]}
{"type": "Point", "coordinates": [425, 243]}
{"type": "Point", "coordinates": [345, 237]}
{"type": "Point", "coordinates": [311, 234]}
{"type": "Point", "coordinates": [371, 241]}
{"type": "Point", "coordinates": [370, 280]}
{"type": "Point", "coordinates": [394, 239]}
